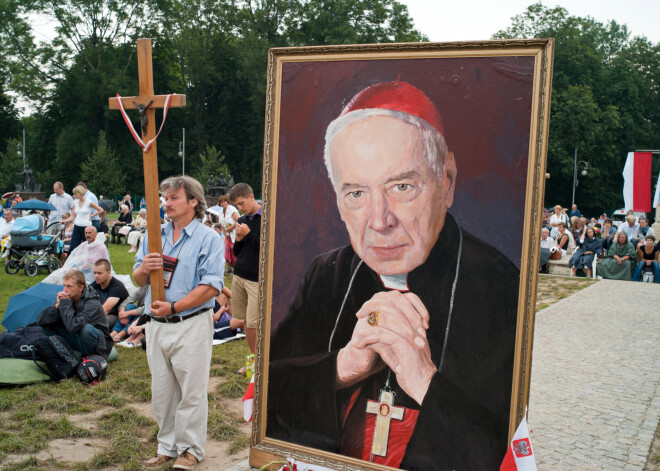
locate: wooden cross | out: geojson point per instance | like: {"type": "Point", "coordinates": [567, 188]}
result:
{"type": "Point", "coordinates": [150, 161]}
{"type": "Point", "coordinates": [385, 412]}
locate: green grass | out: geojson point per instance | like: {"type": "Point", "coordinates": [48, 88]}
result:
{"type": "Point", "coordinates": [32, 415]}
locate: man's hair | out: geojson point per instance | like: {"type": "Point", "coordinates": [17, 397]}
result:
{"type": "Point", "coordinates": [104, 263]}
{"type": "Point", "coordinates": [58, 184]}
{"type": "Point", "coordinates": [240, 190]}
{"type": "Point", "coordinates": [192, 188]}
{"type": "Point", "coordinates": [435, 147]}
{"type": "Point", "coordinates": [82, 184]}
{"type": "Point", "coordinates": [77, 276]}
{"type": "Point", "coordinates": [79, 189]}
{"type": "Point", "coordinates": [223, 198]}
{"type": "Point", "coordinates": [630, 218]}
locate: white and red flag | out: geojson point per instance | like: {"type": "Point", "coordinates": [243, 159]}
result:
{"type": "Point", "coordinates": [248, 401]}
{"type": "Point", "coordinates": [520, 456]}
{"type": "Point", "coordinates": [637, 182]}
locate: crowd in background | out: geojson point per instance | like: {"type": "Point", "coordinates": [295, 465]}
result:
{"type": "Point", "coordinates": [626, 252]}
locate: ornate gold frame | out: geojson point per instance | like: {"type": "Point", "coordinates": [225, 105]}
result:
{"type": "Point", "coordinates": [264, 450]}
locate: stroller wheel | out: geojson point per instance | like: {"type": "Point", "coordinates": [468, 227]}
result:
{"type": "Point", "coordinates": [11, 267]}
{"type": "Point", "coordinates": [31, 269]}
{"type": "Point", "coordinates": [53, 265]}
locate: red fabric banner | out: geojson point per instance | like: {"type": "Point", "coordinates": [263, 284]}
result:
{"type": "Point", "coordinates": [642, 182]}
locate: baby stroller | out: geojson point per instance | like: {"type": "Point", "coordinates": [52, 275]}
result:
{"type": "Point", "coordinates": [31, 249]}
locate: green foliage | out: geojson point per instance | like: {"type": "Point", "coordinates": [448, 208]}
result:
{"type": "Point", "coordinates": [213, 51]}
{"type": "Point", "coordinates": [100, 171]}
{"type": "Point", "coordinates": [212, 163]}
{"type": "Point", "coordinates": [605, 103]}
{"type": "Point", "coordinates": [11, 164]}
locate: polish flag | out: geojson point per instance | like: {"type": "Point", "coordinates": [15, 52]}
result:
{"type": "Point", "coordinates": [248, 401]}
{"type": "Point", "coordinates": [520, 456]}
{"type": "Point", "coordinates": [637, 182]}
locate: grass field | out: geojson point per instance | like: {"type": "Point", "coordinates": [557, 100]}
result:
{"type": "Point", "coordinates": [112, 419]}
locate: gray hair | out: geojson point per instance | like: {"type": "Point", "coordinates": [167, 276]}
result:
{"type": "Point", "coordinates": [435, 146]}
{"type": "Point", "coordinates": [123, 207]}
{"type": "Point", "coordinates": [142, 212]}
{"type": "Point", "coordinates": [193, 189]}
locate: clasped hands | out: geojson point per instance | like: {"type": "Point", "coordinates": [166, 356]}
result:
{"type": "Point", "coordinates": [397, 339]}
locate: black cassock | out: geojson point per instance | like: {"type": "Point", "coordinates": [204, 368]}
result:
{"type": "Point", "coordinates": [463, 419]}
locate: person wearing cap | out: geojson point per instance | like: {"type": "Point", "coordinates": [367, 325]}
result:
{"type": "Point", "coordinates": [406, 321]}
{"type": "Point", "coordinates": [180, 332]}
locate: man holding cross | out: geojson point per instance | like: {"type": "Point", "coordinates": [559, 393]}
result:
{"type": "Point", "coordinates": [180, 334]}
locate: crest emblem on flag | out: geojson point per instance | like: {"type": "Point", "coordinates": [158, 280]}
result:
{"type": "Point", "coordinates": [522, 448]}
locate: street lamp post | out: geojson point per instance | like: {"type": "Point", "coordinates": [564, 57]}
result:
{"type": "Point", "coordinates": [576, 182]}
{"type": "Point", "coordinates": [182, 152]}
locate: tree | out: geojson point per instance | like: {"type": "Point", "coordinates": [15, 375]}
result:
{"type": "Point", "coordinates": [605, 102]}
{"type": "Point", "coordinates": [212, 163]}
{"type": "Point", "coordinates": [100, 171]}
{"type": "Point", "coordinates": [11, 163]}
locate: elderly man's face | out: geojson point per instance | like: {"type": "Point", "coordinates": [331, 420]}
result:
{"type": "Point", "coordinates": [9, 216]}
{"type": "Point", "coordinates": [393, 204]}
{"type": "Point", "coordinates": [90, 234]}
{"type": "Point", "coordinates": [544, 234]}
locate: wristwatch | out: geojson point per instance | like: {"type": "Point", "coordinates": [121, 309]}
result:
{"type": "Point", "coordinates": [172, 308]}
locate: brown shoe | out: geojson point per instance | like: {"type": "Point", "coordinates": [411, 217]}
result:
{"type": "Point", "coordinates": [185, 461]}
{"type": "Point", "coordinates": [156, 461]}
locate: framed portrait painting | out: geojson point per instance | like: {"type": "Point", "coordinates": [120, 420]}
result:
{"type": "Point", "coordinates": [402, 196]}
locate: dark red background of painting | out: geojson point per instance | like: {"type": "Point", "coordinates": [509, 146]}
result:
{"type": "Point", "coordinates": [486, 107]}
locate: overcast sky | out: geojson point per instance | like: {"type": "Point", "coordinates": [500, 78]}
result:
{"type": "Point", "coordinates": [443, 20]}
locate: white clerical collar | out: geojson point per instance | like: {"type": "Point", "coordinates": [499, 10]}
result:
{"type": "Point", "coordinates": [397, 282]}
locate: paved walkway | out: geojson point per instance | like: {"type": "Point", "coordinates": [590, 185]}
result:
{"type": "Point", "coordinates": [595, 388]}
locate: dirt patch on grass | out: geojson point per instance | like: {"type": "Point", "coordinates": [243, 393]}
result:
{"type": "Point", "coordinates": [72, 450]}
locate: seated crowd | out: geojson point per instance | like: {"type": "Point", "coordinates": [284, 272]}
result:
{"type": "Point", "coordinates": [627, 253]}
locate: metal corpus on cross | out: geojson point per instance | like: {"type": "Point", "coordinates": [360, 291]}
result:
{"type": "Point", "coordinates": [147, 102]}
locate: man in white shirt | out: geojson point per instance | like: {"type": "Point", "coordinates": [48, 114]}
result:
{"type": "Point", "coordinates": [6, 223]}
{"type": "Point", "coordinates": [631, 228]}
{"type": "Point", "coordinates": [63, 203]}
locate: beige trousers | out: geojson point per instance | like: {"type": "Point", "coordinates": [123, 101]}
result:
{"type": "Point", "coordinates": [179, 358]}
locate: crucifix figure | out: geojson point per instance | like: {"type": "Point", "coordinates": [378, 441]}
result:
{"type": "Point", "coordinates": [385, 412]}
{"type": "Point", "coordinates": [143, 117]}
{"type": "Point", "coordinates": [143, 103]}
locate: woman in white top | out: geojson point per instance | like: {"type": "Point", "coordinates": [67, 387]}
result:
{"type": "Point", "coordinates": [555, 219]}
{"type": "Point", "coordinates": [228, 219]}
{"type": "Point", "coordinates": [81, 215]}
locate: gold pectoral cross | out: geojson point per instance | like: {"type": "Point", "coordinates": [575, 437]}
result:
{"type": "Point", "coordinates": [385, 412]}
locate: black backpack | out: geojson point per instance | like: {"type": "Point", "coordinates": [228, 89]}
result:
{"type": "Point", "coordinates": [92, 369]}
{"type": "Point", "coordinates": [19, 344]}
{"type": "Point", "coordinates": [57, 356]}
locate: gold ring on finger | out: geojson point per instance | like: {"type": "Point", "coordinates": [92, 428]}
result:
{"type": "Point", "coordinates": [372, 318]}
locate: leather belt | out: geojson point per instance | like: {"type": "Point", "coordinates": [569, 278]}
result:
{"type": "Point", "coordinates": [175, 319]}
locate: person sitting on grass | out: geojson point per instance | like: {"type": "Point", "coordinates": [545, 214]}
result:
{"type": "Point", "coordinates": [224, 325]}
{"type": "Point", "coordinates": [129, 310]}
{"type": "Point", "coordinates": [111, 291]}
{"type": "Point", "coordinates": [78, 318]}
{"type": "Point", "coordinates": [588, 247]}
{"type": "Point", "coordinates": [647, 254]}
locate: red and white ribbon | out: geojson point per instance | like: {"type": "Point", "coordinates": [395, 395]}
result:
{"type": "Point", "coordinates": [136, 136]}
